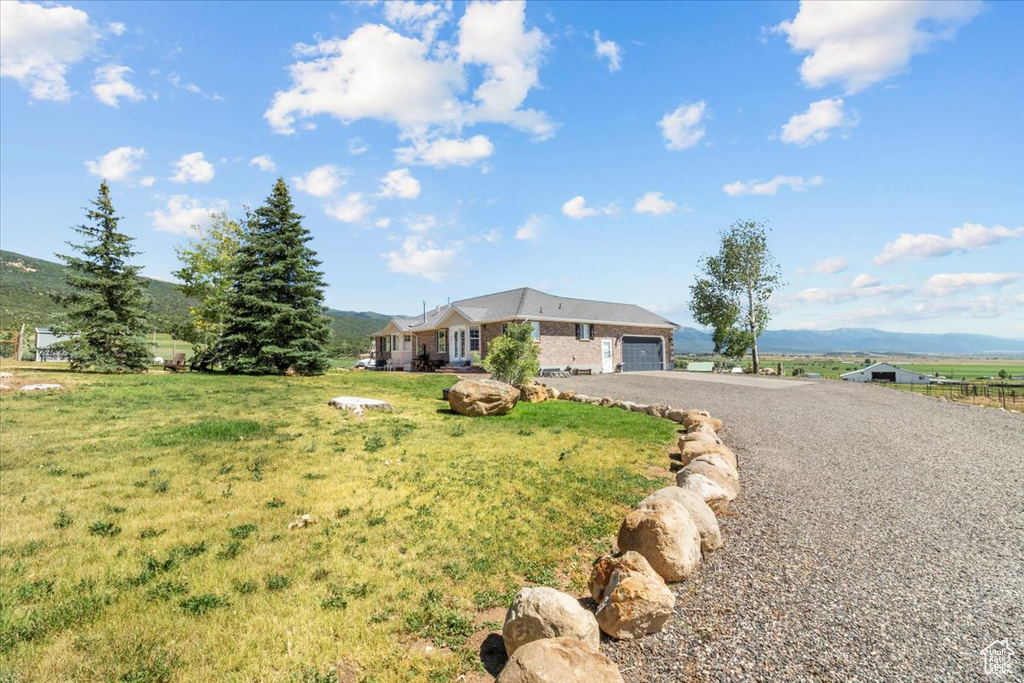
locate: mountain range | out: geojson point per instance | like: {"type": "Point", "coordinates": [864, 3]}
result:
{"type": "Point", "coordinates": [860, 341]}
{"type": "Point", "coordinates": [26, 284]}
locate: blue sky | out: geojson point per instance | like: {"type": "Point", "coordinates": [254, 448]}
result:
{"type": "Point", "coordinates": [592, 150]}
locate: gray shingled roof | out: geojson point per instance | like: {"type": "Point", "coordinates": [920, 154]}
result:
{"type": "Point", "coordinates": [525, 303]}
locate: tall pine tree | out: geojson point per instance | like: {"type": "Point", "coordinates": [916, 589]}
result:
{"type": "Point", "coordinates": [275, 320]}
{"type": "Point", "coordinates": [106, 306]}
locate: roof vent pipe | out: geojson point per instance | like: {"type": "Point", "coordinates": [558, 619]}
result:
{"type": "Point", "coordinates": [424, 310]}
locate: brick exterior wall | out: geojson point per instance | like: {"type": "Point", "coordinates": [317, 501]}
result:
{"type": "Point", "coordinates": [559, 346]}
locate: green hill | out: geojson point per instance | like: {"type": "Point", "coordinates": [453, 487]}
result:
{"type": "Point", "coordinates": [26, 284]}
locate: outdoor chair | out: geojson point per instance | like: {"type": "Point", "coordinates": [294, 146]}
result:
{"type": "Point", "coordinates": [176, 364]}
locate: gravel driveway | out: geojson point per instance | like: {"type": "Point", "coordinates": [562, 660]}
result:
{"type": "Point", "coordinates": [879, 537]}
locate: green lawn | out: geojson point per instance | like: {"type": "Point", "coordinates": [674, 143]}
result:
{"type": "Point", "coordinates": [145, 533]}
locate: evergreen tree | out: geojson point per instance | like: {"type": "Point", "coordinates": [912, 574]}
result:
{"type": "Point", "coordinates": [275, 318]}
{"type": "Point", "coordinates": [106, 306]}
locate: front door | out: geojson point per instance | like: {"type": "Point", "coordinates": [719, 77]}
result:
{"type": "Point", "coordinates": [458, 343]}
{"type": "Point", "coordinates": [607, 359]}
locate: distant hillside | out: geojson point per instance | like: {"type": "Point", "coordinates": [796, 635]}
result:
{"type": "Point", "coordinates": [860, 341]}
{"type": "Point", "coordinates": [26, 284]}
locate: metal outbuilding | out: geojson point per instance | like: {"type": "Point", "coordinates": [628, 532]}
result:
{"type": "Point", "coordinates": [883, 372]}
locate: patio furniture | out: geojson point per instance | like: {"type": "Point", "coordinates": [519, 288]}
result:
{"type": "Point", "coordinates": [176, 364]}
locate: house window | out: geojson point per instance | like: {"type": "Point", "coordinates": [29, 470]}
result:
{"type": "Point", "coordinates": [442, 341]}
{"type": "Point", "coordinates": [535, 332]}
{"type": "Point", "coordinates": [387, 344]}
{"type": "Point", "coordinates": [407, 342]}
{"type": "Point", "coordinates": [474, 339]}
{"type": "Point", "coordinates": [584, 331]}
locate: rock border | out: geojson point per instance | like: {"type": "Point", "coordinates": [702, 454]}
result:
{"type": "Point", "coordinates": [671, 530]}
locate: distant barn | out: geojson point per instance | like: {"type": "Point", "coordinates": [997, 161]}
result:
{"type": "Point", "coordinates": [883, 372]}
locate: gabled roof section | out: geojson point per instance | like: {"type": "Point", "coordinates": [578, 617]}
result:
{"type": "Point", "coordinates": [530, 304]}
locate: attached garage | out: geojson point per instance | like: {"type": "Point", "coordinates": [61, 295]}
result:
{"type": "Point", "coordinates": [642, 353]}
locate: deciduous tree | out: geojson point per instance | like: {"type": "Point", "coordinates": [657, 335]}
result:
{"type": "Point", "coordinates": [106, 306]}
{"type": "Point", "coordinates": [275, 319]}
{"type": "Point", "coordinates": [732, 295]}
{"type": "Point", "coordinates": [206, 274]}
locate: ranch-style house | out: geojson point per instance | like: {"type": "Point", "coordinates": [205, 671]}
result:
{"type": "Point", "coordinates": [576, 334]}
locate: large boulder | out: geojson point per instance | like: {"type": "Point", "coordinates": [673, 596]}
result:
{"type": "Point", "coordinates": [711, 483]}
{"type": "Point", "coordinates": [695, 417]}
{"type": "Point", "coordinates": [665, 534]}
{"type": "Point", "coordinates": [702, 514]}
{"type": "Point", "coordinates": [689, 450]}
{"type": "Point", "coordinates": [566, 395]}
{"type": "Point", "coordinates": [657, 410]}
{"type": "Point", "coordinates": [479, 397]}
{"type": "Point", "coordinates": [719, 461]}
{"type": "Point", "coordinates": [559, 660]}
{"type": "Point", "coordinates": [543, 612]}
{"type": "Point", "coordinates": [533, 393]}
{"type": "Point", "coordinates": [632, 598]}
{"type": "Point", "coordinates": [553, 394]}
{"type": "Point", "coordinates": [700, 435]}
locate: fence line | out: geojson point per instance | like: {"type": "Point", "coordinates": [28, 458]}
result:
{"type": "Point", "coordinates": [1001, 393]}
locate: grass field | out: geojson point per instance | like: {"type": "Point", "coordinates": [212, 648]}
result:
{"type": "Point", "coordinates": [950, 368]}
{"type": "Point", "coordinates": [145, 524]}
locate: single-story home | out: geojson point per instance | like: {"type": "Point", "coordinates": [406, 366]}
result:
{"type": "Point", "coordinates": [884, 372]}
{"type": "Point", "coordinates": [572, 333]}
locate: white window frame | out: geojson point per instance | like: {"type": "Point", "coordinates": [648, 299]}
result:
{"type": "Point", "coordinates": [472, 329]}
{"type": "Point", "coordinates": [387, 343]}
{"type": "Point", "coordinates": [442, 341]}
{"type": "Point", "coordinates": [535, 332]}
{"type": "Point", "coordinates": [406, 342]}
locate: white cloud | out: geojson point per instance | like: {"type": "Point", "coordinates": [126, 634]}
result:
{"type": "Point", "coordinates": [117, 28]}
{"type": "Point", "coordinates": [183, 215]}
{"type": "Point", "coordinates": [858, 44]}
{"type": "Point", "coordinates": [351, 209]}
{"type": "Point", "coordinates": [943, 284]}
{"type": "Point", "coordinates": [978, 307]}
{"type": "Point", "coordinates": [357, 146]}
{"type": "Point", "coordinates": [833, 264]}
{"type": "Point", "coordinates": [577, 208]}
{"type": "Point", "coordinates": [399, 183]}
{"type": "Point", "coordinates": [794, 182]}
{"type": "Point", "coordinates": [192, 168]}
{"type": "Point", "coordinates": [424, 18]}
{"type": "Point", "coordinates": [175, 80]}
{"type": "Point", "coordinates": [609, 50]}
{"type": "Point", "coordinates": [382, 223]}
{"type": "Point", "coordinates": [654, 204]}
{"type": "Point", "coordinates": [38, 44]}
{"type": "Point", "coordinates": [683, 128]}
{"type": "Point", "coordinates": [109, 85]}
{"type": "Point", "coordinates": [322, 181]}
{"type": "Point", "coordinates": [421, 224]}
{"type": "Point", "coordinates": [529, 230]}
{"type": "Point", "coordinates": [446, 151]}
{"type": "Point", "coordinates": [490, 237]}
{"type": "Point", "coordinates": [264, 163]}
{"type": "Point", "coordinates": [864, 280]}
{"type": "Point", "coordinates": [422, 258]}
{"type": "Point", "coordinates": [967, 237]}
{"type": "Point", "coordinates": [817, 295]}
{"type": "Point", "coordinates": [378, 73]}
{"type": "Point", "coordinates": [817, 124]}
{"type": "Point", "coordinates": [148, 181]}
{"type": "Point", "coordinates": [494, 36]}
{"type": "Point", "coordinates": [117, 164]}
